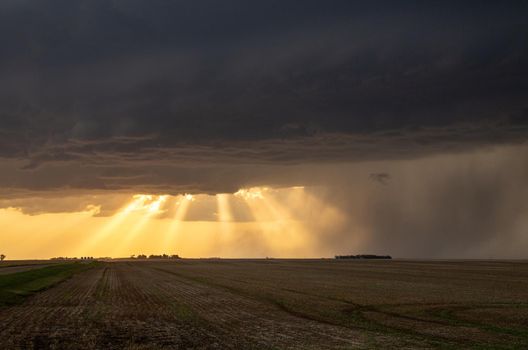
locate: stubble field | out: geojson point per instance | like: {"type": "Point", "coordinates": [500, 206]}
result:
{"type": "Point", "coordinates": [274, 304]}
{"type": "Point", "coordinates": [8, 267]}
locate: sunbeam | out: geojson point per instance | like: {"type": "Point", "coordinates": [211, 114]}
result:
{"type": "Point", "coordinates": [95, 239]}
{"type": "Point", "coordinates": [148, 211]}
{"type": "Point", "coordinates": [182, 206]}
{"type": "Point", "coordinates": [70, 223]}
{"type": "Point", "coordinates": [281, 222]}
{"type": "Point", "coordinates": [282, 231]}
{"type": "Point", "coordinates": [224, 208]}
{"type": "Point", "coordinates": [224, 216]}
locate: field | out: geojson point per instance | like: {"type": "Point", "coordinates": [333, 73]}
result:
{"type": "Point", "coordinates": [8, 267]}
{"type": "Point", "coordinates": [17, 286]}
{"type": "Point", "coordinates": [268, 304]}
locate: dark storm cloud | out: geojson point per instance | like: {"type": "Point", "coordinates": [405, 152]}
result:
{"type": "Point", "coordinates": [155, 94]}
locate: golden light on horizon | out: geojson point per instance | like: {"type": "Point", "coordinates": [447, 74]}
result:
{"type": "Point", "coordinates": [273, 225]}
{"type": "Point", "coordinates": [68, 222]}
{"type": "Point", "coordinates": [113, 224]}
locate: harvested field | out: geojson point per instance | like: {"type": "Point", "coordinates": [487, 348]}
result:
{"type": "Point", "coordinates": [278, 304]}
{"type": "Point", "coordinates": [16, 287]}
{"type": "Point", "coordinates": [4, 270]}
{"type": "Point", "coordinates": [11, 263]}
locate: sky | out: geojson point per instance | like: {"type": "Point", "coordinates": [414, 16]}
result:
{"type": "Point", "coordinates": [263, 128]}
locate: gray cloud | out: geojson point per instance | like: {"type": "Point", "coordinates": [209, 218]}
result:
{"type": "Point", "coordinates": [140, 165]}
{"type": "Point", "coordinates": [101, 81]}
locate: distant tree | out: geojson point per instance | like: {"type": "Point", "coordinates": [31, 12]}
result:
{"type": "Point", "coordinates": [2, 257]}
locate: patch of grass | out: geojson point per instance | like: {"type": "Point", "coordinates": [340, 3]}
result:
{"type": "Point", "coordinates": [15, 287]}
{"type": "Point", "coordinates": [450, 314]}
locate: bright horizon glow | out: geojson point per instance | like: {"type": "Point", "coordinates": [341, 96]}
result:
{"type": "Point", "coordinates": [156, 224]}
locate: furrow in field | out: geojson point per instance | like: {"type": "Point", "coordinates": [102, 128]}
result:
{"type": "Point", "coordinates": [104, 308]}
{"type": "Point", "coordinates": [134, 313]}
{"type": "Point", "coordinates": [51, 317]}
{"type": "Point", "coordinates": [257, 321]}
{"type": "Point", "coordinates": [271, 305]}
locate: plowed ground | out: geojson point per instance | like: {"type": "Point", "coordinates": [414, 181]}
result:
{"type": "Point", "coordinates": [7, 267]}
{"type": "Point", "coordinates": [277, 304]}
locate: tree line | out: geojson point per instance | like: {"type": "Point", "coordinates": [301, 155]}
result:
{"type": "Point", "coordinates": [363, 256]}
{"type": "Point", "coordinates": [153, 256]}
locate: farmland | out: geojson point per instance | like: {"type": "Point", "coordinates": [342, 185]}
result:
{"type": "Point", "coordinates": [16, 286]}
{"type": "Point", "coordinates": [8, 267]}
{"type": "Point", "coordinates": [274, 304]}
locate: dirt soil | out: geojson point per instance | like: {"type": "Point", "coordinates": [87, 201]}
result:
{"type": "Point", "coordinates": [4, 270]}
{"type": "Point", "coordinates": [277, 304]}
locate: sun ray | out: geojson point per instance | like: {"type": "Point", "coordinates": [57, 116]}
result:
{"type": "Point", "coordinates": [182, 204]}
{"type": "Point", "coordinates": [225, 224]}
{"type": "Point", "coordinates": [71, 223]}
{"type": "Point", "coordinates": [293, 232]}
{"type": "Point", "coordinates": [258, 210]}
{"type": "Point", "coordinates": [264, 221]}
{"type": "Point", "coordinates": [280, 229]}
{"type": "Point", "coordinates": [112, 225]}
{"type": "Point", "coordinates": [146, 212]}
{"type": "Point", "coordinates": [254, 200]}
{"type": "Point", "coordinates": [224, 209]}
